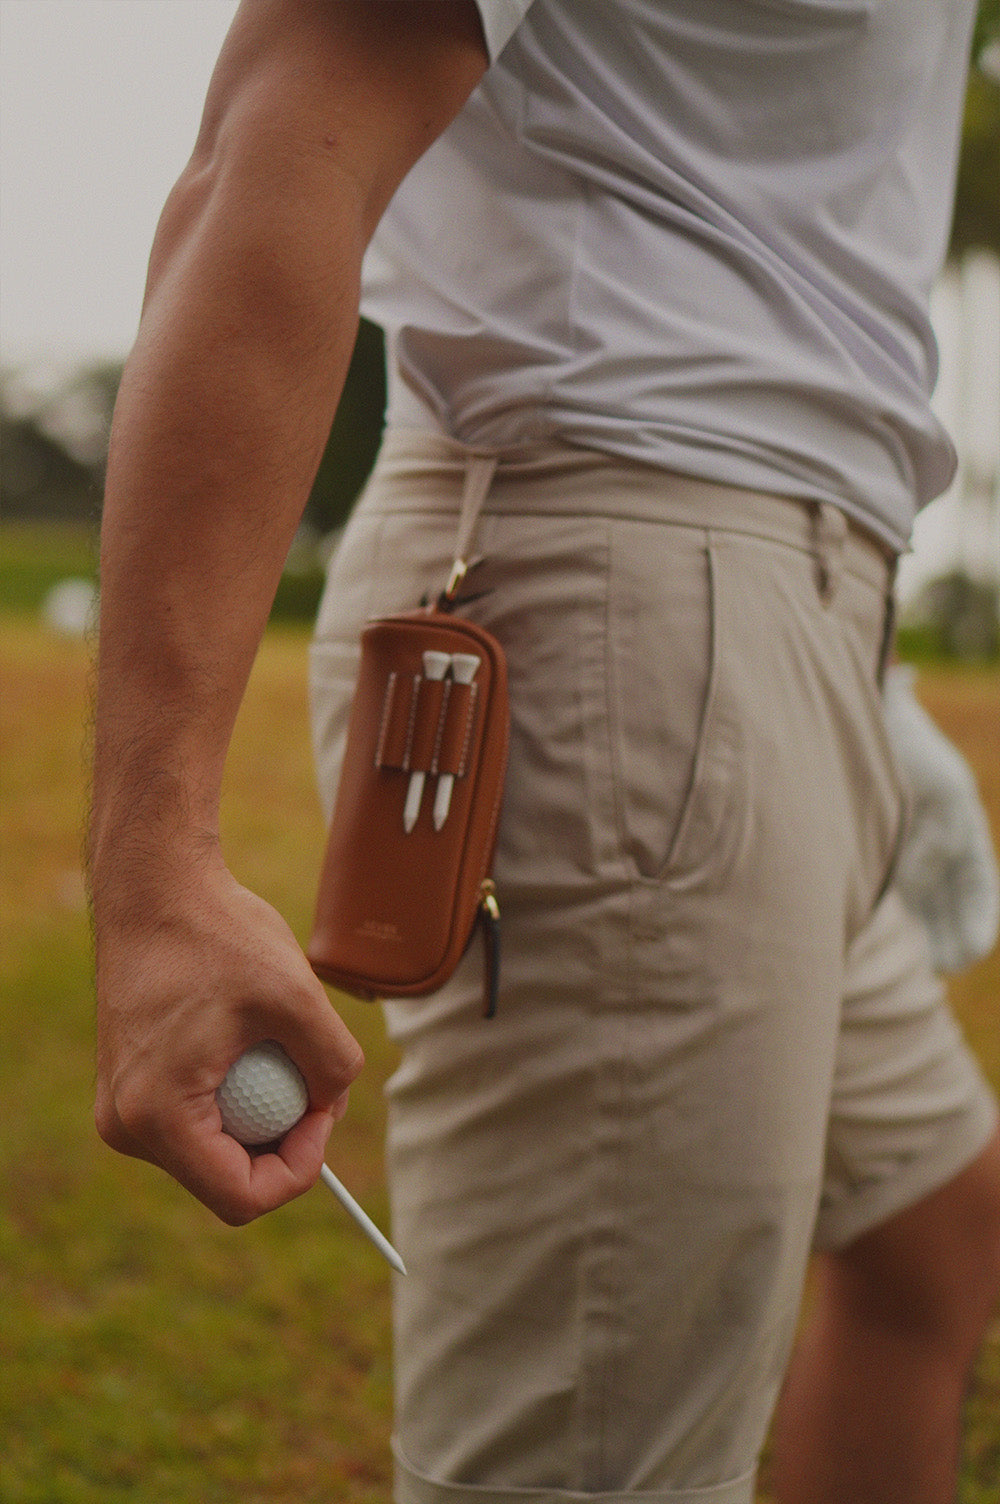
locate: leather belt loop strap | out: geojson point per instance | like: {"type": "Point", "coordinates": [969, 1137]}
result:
{"type": "Point", "coordinates": [478, 478]}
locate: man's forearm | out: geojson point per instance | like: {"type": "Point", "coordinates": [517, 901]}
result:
{"type": "Point", "coordinates": [219, 427]}
{"type": "Point", "coordinates": [314, 114]}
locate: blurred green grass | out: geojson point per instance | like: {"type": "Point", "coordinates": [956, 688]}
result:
{"type": "Point", "coordinates": [34, 556]}
{"type": "Point", "coordinates": [146, 1351]}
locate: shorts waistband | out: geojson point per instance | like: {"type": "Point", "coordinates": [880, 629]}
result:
{"type": "Point", "coordinates": [422, 471]}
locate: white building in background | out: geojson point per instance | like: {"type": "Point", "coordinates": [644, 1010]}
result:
{"type": "Point", "coordinates": [961, 530]}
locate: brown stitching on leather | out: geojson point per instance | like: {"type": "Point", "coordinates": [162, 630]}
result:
{"type": "Point", "coordinates": [408, 752]}
{"type": "Point", "coordinates": [469, 722]}
{"type": "Point", "coordinates": [384, 724]}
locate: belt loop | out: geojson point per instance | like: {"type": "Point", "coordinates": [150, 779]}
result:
{"type": "Point", "coordinates": [888, 643]}
{"type": "Point", "coordinates": [829, 527]}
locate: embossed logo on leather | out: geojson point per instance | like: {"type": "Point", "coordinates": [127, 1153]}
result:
{"type": "Point", "coordinates": [378, 929]}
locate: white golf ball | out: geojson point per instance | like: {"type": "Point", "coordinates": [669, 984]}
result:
{"type": "Point", "coordinates": [262, 1096]}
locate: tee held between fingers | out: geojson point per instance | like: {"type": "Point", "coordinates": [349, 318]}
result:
{"type": "Point", "coordinates": [163, 1056]}
{"type": "Point", "coordinates": [239, 1186]}
{"type": "Point", "coordinates": [183, 1135]}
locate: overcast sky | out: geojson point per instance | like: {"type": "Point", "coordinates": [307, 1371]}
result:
{"type": "Point", "coordinates": [99, 105]}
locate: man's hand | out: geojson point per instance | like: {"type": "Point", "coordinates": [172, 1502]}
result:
{"type": "Point", "coordinates": [183, 991]}
{"type": "Point", "coordinates": [947, 872]}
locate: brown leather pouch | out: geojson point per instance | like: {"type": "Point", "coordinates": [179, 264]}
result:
{"type": "Point", "coordinates": [406, 873]}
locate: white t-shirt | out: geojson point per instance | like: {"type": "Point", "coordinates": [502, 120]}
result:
{"type": "Point", "coordinates": [699, 233]}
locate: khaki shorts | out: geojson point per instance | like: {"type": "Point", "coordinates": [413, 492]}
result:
{"type": "Point", "coordinates": [718, 1044]}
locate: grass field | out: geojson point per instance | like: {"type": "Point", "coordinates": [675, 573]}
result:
{"type": "Point", "coordinates": [146, 1352]}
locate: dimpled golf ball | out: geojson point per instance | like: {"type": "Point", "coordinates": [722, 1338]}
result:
{"type": "Point", "coordinates": [262, 1096]}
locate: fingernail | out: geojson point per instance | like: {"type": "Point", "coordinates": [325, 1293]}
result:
{"type": "Point", "coordinates": [339, 1108]}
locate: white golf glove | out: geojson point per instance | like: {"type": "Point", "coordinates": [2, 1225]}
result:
{"type": "Point", "coordinates": [947, 873]}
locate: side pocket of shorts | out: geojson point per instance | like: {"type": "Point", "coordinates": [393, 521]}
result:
{"type": "Point", "coordinates": [672, 744]}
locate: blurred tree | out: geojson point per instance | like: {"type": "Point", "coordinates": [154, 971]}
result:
{"type": "Point", "coordinates": [54, 439]}
{"type": "Point", "coordinates": [355, 435]}
{"type": "Point", "coordinates": [41, 476]}
{"type": "Point", "coordinates": [977, 201]}
{"type": "Point", "coordinates": [953, 616]}
{"type": "Point", "coordinates": [986, 32]}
